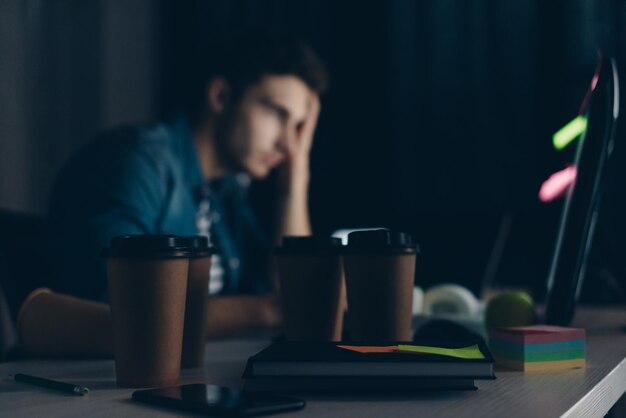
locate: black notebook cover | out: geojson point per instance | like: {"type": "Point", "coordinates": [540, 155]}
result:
{"type": "Point", "coordinates": [345, 385]}
{"type": "Point", "coordinates": [303, 359]}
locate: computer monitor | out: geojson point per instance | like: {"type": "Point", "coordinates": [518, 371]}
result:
{"type": "Point", "coordinates": [580, 211]}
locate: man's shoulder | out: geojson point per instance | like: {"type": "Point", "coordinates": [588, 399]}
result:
{"type": "Point", "coordinates": [123, 148]}
{"type": "Point", "coordinates": [149, 140]}
{"type": "Point", "coordinates": [118, 159]}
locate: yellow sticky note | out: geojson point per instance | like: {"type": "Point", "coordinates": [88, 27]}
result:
{"type": "Point", "coordinates": [471, 352]}
{"type": "Point", "coordinates": [370, 349]}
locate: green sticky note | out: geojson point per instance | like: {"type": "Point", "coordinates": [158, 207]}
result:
{"type": "Point", "coordinates": [471, 352]}
{"type": "Point", "coordinates": [569, 132]}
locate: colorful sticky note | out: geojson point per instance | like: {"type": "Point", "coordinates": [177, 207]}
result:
{"type": "Point", "coordinates": [471, 352]}
{"type": "Point", "coordinates": [536, 334]}
{"type": "Point", "coordinates": [552, 347]}
{"type": "Point", "coordinates": [569, 132]}
{"type": "Point", "coordinates": [370, 349]}
{"type": "Point", "coordinates": [538, 357]}
{"type": "Point", "coordinates": [539, 366]}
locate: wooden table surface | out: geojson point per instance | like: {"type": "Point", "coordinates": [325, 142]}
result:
{"type": "Point", "coordinates": [588, 392]}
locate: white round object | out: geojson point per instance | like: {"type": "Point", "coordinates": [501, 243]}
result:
{"type": "Point", "coordinates": [450, 299]}
{"type": "Point", "coordinates": [418, 300]}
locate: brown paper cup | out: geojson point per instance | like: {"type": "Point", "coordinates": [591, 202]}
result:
{"type": "Point", "coordinates": [54, 324]}
{"type": "Point", "coordinates": [312, 296]}
{"type": "Point", "coordinates": [194, 336]}
{"type": "Point", "coordinates": [380, 296]}
{"type": "Point", "coordinates": [147, 299]}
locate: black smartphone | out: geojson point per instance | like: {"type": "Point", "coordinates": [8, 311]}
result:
{"type": "Point", "coordinates": [218, 401]}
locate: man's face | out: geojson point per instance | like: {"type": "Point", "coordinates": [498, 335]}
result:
{"type": "Point", "coordinates": [256, 130]}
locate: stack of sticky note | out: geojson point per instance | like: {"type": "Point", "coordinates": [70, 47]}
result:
{"type": "Point", "coordinates": [538, 347]}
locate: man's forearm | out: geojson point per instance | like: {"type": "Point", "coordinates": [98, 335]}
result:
{"type": "Point", "coordinates": [295, 216]}
{"type": "Point", "coordinates": [236, 315]}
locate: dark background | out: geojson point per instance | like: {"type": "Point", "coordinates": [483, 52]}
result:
{"type": "Point", "coordinates": [438, 120]}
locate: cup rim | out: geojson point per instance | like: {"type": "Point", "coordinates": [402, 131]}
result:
{"type": "Point", "coordinates": [312, 252]}
{"type": "Point", "coordinates": [394, 250]}
{"type": "Point", "coordinates": [171, 253]}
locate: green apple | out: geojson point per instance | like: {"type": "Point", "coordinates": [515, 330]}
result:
{"type": "Point", "coordinates": [512, 309]}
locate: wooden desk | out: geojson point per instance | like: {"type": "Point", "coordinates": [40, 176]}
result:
{"type": "Point", "coordinates": [588, 392]}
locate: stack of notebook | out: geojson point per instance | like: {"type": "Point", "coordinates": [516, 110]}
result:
{"type": "Point", "coordinates": [538, 347]}
{"type": "Point", "coordinates": [301, 366]}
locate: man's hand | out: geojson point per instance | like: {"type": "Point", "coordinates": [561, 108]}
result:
{"type": "Point", "coordinates": [295, 171]}
{"type": "Point", "coordinates": [303, 140]}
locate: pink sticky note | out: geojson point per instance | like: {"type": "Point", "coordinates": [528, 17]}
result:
{"type": "Point", "coordinates": [536, 334]}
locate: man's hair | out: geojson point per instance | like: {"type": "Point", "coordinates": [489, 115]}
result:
{"type": "Point", "coordinates": [245, 58]}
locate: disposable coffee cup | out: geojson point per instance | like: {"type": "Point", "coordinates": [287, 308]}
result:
{"type": "Point", "coordinates": [147, 277]}
{"type": "Point", "coordinates": [54, 324]}
{"type": "Point", "coordinates": [312, 296]}
{"type": "Point", "coordinates": [380, 269]}
{"type": "Point", "coordinates": [194, 334]}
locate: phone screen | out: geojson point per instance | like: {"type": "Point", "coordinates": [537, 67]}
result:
{"type": "Point", "coordinates": [218, 400]}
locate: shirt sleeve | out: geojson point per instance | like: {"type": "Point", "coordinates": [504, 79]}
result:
{"type": "Point", "coordinates": [115, 187]}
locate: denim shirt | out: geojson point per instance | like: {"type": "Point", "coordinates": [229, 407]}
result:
{"type": "Point", "coordinates": [147, 180]}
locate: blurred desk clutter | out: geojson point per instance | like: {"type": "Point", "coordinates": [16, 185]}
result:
{"type": "Point", "coordinates": [590, 392]}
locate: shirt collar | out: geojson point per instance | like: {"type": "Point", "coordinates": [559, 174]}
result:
{"type": "Point", "coordinates": [183, 140]}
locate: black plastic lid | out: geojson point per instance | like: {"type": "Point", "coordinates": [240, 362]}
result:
{"type": "Point", "coordinates": [148, 246]}
{"type": "Point", "coordinates": [380, 241]}
{"type": "Point", "coordinates": [199, 246]}
{"type": "Point", "coordinates": [309, 244]}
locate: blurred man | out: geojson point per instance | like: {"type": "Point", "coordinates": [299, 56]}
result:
{"type": "Point", "coordinates": [254, 108]}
